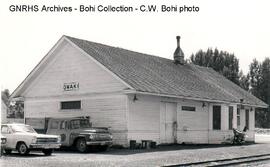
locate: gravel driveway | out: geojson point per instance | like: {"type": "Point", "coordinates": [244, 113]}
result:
{"type": "Point", "coordinates": [165, 155]}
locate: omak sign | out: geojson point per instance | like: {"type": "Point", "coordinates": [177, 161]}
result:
{"type": "Point", "coordinates": [71, 86]}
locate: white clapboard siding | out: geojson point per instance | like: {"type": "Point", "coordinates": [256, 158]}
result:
{"type": "Point", "coordinates": [143, 118]}
{"type": "Point", "coordinates": [219, 136]}
{"type": "Point", "coordinates": [71, 65]}
{"type": "Point", "coordinates": [192, 126]}
{"type": "Point", "coordinates": [104, 111]}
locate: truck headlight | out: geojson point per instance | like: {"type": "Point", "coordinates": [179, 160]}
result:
{"type": "Point", "coordinates": [91, 136]}
{"type": "Point", "coordinates": [59, 139]}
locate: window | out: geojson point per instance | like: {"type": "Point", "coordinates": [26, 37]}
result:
{"type": "Point", "coordinates": [238, 118]}
{"type": "Point", "coordinates": [188, 108]}
{"type": "Point", "coordinates": [79, 123]}
{"type": "Point", "coordinates": [216, 117]}
{"type": "Point", "coordinates": [68, 105]}
{"type": "Point", "coordinates": [247, 118]}
{"type": "Point", "coordinates": [54, 125]}
{"type": "Point", "coordinates": [4, 130]}
{"type": "Point", "coordinates": [63, 125]}
{"type": "Point", "coordinates": [230, 117]}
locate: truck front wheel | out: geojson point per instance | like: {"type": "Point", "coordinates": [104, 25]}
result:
{"type": "Point", "coordinates": [81, 145]}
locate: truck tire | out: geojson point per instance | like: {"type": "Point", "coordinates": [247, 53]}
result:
{"type": "Point", "coordinates": [22, 148]}
{"type": "Point", "coordinates": [47, 152]}
{"type": "Point", "coordinates": [81, 145]}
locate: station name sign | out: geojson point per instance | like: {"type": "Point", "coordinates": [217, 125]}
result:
{"type": "Point", "coordinates": [71, 86]}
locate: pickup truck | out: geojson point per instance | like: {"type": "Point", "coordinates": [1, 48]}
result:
{"type": "Point", "coordinates": [24, 138]}
{"type": "Point", "coordinates": [79, 133]}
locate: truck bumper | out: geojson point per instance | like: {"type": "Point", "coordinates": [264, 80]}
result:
{"type": "Point", "coordinates": [102, 143]}
{"type": "Point", "coordinates": [45, 146]}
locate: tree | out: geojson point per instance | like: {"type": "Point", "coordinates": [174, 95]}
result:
{"type": "Point", "coordinates": [255, 78]}
{"type": "Point", "coordinates": [260, 87]}
{"type": "Point", "coordinates": [221, 61]}
{"type": "Point", "coordinates": [265, 85]}
{"type": "Point", "coordinates": [244, 81]}
{"type": "Point", "coordinates": [5, 96]}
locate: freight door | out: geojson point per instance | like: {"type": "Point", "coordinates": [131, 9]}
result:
{"type": "Point", "coordinates": [168, 122]}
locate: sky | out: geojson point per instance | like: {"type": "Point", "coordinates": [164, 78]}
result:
{"type": "Point", "coordinates": [241, 27]}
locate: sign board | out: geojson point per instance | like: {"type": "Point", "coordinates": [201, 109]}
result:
{"type": "Point", "coordinates": [71, 86]}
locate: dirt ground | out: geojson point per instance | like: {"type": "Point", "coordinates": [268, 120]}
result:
{"type": "Point", "coordinates": [165, 155]}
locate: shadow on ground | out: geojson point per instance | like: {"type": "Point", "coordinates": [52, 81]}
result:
{"type": "Point", "coordinates": [33, 154]}
{"type": "Point", "coordinates": [126, 151]}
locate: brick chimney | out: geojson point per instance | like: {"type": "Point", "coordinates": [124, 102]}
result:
{"type": "Point", "coordinates": [178, 55]}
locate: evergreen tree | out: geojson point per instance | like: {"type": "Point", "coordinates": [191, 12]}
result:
{"type": "Point", "coordinates": [221, 61]}
{"type": "Point", "coordinates": [260, 87]}
{"type": "Point", "coordinates": [244, 81]}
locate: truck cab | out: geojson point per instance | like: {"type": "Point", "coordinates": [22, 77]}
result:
{"type": "Point", "coordinates": [79, 133]}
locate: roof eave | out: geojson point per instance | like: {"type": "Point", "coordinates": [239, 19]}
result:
{"type": "Point", "coordinates": [193, 98]}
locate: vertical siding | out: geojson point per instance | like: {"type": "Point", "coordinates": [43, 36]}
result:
{"type": "Point", "coordinates": [104, 111]}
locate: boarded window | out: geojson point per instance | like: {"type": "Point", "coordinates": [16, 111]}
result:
{"type": "Point", "coordinates": [188, 108]}
{"type": "Point", "coordinates": [216, 117]}
{"type": "Point", "coordinates": [238, 117]}
{"type": "Point", "coordinates": [247, 119]}
{"type": "Point", "coordinates": [230, 117]}
{"type": "Point", "coordinates": [68, 105]}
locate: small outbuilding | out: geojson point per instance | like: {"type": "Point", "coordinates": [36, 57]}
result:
{"type": "Point", "coordinates": [139, 96]}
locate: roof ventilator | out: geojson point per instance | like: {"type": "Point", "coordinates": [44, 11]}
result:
{"type": "Point", "coordinates": [178, 53]}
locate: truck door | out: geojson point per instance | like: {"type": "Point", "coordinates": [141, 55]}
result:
{"type": "Point", "coordinates": [64, 133]}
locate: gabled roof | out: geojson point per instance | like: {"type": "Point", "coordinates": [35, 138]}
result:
{"type": "Point", "coordinates": [158, 76]}
{"type": "Point", "coordinates": [152, 74]}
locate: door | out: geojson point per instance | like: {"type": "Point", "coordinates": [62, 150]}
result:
{"type": "Point", "coordinates": [60, 127]}
{"type": "Point", "coordinates": [168, 122]}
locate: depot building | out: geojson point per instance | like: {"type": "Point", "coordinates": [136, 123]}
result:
{"type": "Point", "coordinates": [139, 96]}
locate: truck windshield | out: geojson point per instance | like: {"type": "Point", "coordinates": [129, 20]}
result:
{"type": "Point", "coordinates": [79, 123]}
{"type": "Point", "coordinates": [23, 128]}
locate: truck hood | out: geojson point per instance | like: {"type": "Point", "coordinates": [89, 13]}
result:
{"type": "Point", "coordinates": [94, 130]}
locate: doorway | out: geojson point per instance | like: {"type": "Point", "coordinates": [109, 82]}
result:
{"type": "Point", "coordinates": [168, 122]}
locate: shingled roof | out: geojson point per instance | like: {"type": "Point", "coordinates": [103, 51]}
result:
{"type": "Point", "coordinates": [152, 74]}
